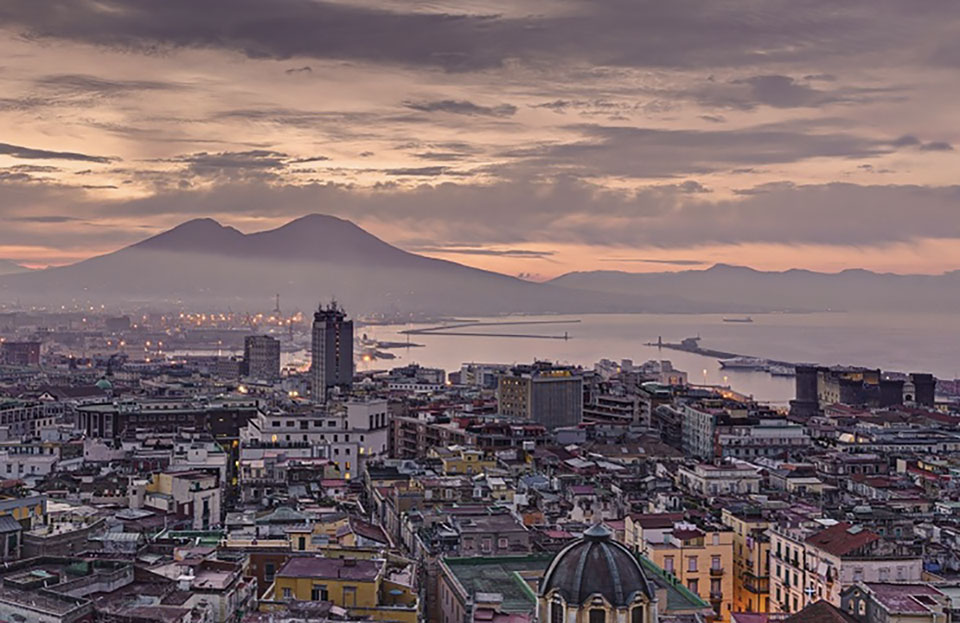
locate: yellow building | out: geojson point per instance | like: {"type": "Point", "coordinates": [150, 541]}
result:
{"type": "Point", "coordinates": [460, 460]}
{"type": "Point", "coordinates": [751, 560]}
{"type": "Point", "coordinates": [362, 587]}
{"type": "Point", "coordinates": [316, 536]}
{"type": "Point", "coordinates": [701, 560]}
{"type": "Point", "coordinates": [29, 510]}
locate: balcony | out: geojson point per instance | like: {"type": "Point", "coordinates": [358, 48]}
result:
{"type": "Point", "coordinates": [714, 597]}
{"type": "Point", "coordinates": [716, 571]}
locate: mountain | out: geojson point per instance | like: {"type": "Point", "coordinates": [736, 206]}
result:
{"type": "Point", "coordinates": [9, 268]}
{"type": "Point", "coordinates": [792, 290]}
{"type": "Point", "coordinates": [205, 264]}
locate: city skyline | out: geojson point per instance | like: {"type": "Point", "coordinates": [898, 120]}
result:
{"type": "Point", "coordinates": [505, 136]}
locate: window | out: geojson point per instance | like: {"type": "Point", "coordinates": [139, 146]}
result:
{"type": "Point", "coordinates": [694, 586]}
{"type": "Point", "coordinates": [715, 587]}
{"type": "Point", "coordinates": [350, 596]}
{"type": "Point", "coordinates": [319, 593]}
{"type": "Point", "coordinates": [556, 613]}
{"type": "Point", "coordinates": [598, 616]}
{"type": "Point", "coordinates": [269, 571]}
{"type": "Point", "coordinates": [287, 593]}
{"type": "Point", "coordinates": [691, 563]}
{"type": "Point", "coordinates": [716, 538]}
{"type": "Point", "coordinates": [668, 564]}
{"type": "Point", "coordinates": [715, 563]}
{"type": "Point", "coordinates": [636, 615]}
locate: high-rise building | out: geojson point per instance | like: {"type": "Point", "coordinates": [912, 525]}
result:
{"type": "Point", "coordinates": [332, 350]}
{"type": "Point", "coordinates": [261, 357]}
{"type": "Point", "coordinates": [542, 393]}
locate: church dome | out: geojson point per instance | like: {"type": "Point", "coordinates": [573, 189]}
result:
{"type": "Point", "coordinates": [104, 384]}
{"type": "Point", "coordinates": [596, 564]}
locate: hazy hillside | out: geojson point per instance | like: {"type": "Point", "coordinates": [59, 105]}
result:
{"type": "Point", "coordinates": [313, 258]}
{"type": "Point", "coordinates": [10, 268]}
{"type": "Point", "coordinates": [749, 289]}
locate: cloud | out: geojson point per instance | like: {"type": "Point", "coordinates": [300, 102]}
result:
{"type": "Point", "coordinates": [641, 260]}
{"type": "Point", "coordinates": [909, 140]}
{"type": "Point", "coordinates": [567, 210]}
{"type": "Point", "coordinates": [86, 84]}
{"type": "Point", "coordinates": [50, 219]}
{"type": "Point", "coordinates": [417, 171]}
{"type": "Point", "coordinates": [936, 146]}
{"type": "Point", "coordinates": [635, 32]}
{"type": "Point", "coordinates": [773, 90]}
{"type": "Point", "coordinates": [641, 152]}
{"type": "Point", "coordinates": [463, 107]}
{"type": "Point", "coordinates": [29, 153]}
{"type": "Point", "coordinates": [299, 70]}
{"type": "Point", "coordinates": [460, 250]}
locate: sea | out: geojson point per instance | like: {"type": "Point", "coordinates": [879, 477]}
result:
{"type": "Point", "coordinates": [890, 341]}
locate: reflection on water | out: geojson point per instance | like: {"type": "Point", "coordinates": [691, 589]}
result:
{"type": "Point", "coordinates": [901, 342]}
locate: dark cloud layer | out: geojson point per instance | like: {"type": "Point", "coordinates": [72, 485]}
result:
{"type": "Point", "coordinates": [652, 153]}
{"type": "Point", "coordinates": [28, 153]}
{"type": "Point", "coordinates": [635, 32]}
{"type": "Point", "coordinates": [567, 210]}
{"type": "Point", "coordinates": [463, 107]}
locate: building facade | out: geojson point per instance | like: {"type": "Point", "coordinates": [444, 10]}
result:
{"type": "Point", "coordinates": [332, 351]}
{"type": "Point", "coordinates": [542, 393]}
{"type": "Point", "coordinates": [261, 357]}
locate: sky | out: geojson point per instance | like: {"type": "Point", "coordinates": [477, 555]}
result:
{"type": "Point", "coordinates": [531, 137]}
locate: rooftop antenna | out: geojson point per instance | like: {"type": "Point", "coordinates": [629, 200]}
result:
{"type": "Point", "coordinates": [276, 308]}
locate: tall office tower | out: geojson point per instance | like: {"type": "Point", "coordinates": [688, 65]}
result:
{"type": "Point", "coordinates": [542, 393]}
{"type": "Point", "coordinates": [261, 357]}
{"type": "Point", "coordinates": [332, 362]}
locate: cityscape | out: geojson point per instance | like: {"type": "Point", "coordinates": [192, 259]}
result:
{"type": "Point", "coordinates": [171, 466]}
{"type": "Point", "coordinates": [479, 311]}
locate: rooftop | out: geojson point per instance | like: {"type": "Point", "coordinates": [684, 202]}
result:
{"type": "Point", "coordinates": [905, 598]}
{"type": "Point", "coordinates": [842, 539]}
{"type": "Point", "coordinates": [331, 568]}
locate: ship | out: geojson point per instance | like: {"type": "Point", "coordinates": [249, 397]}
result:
{"type": "Point", "coordinates": [744, 319]}
{"type": "Point", "coordinates": [744, 363]}
{"type": "Point", "coordinates": [779, 370]}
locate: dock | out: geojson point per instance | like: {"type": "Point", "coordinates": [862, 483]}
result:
{"type": "Point", "coordinates": [452, 329]}
{"type": "Point", "coordinates": [692, 345]}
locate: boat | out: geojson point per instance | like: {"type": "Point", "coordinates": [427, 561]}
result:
{"type": "Point", "coordinates": [778, 370]}
{"type": "Point", "coordinates": [744, 363]}
{"type": "Point", "coordinates": [744, 319]}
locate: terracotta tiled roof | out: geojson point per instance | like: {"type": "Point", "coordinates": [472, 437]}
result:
{"type": "Point", "coordinates": [820, 612]}
{"type": "Point", "coordinates": [842, 539]}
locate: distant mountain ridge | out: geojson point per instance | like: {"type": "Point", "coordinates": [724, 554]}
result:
{"type": "Point", "coordinates": [9, 267]}
{"type": "Point", "coordinates": [725, 285]}
{"type": "Point", "coordinates": [204, 264]}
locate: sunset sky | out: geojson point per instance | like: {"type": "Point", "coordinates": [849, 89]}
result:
{"type": "Point", "coordinates": [531, 137]}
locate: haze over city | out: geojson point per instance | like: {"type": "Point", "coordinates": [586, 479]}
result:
{"type": "Point", "coordinates": [530, 138]}
{"type": "Point", "coordinates": [479, 311]}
